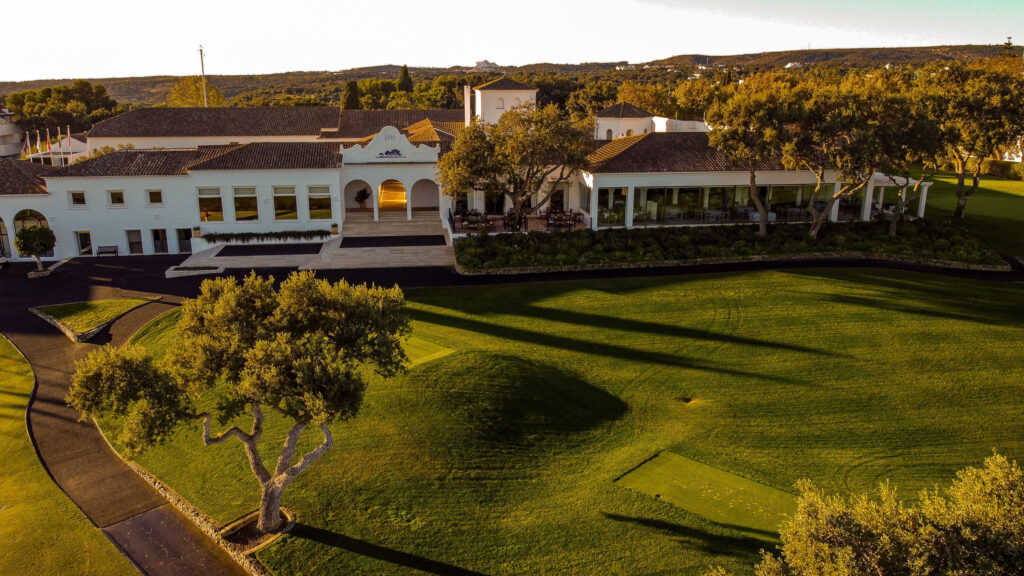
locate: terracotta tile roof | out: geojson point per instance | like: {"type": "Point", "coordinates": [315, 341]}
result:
{"type": "Point", "coordinates": [362, 123]}
{"type": "Point", "coordinates": [504, 83]}
{"type": "Point", "coordinates": [141, 163]}
{"type": "Point", "coordinates": [241, 122]}
{"type": "Point", "coordinates": [276, 156]}
{"type": "Point", "coordinates": [22, 177]}
{"type": "Point", "coordinates": [624, 110]}
{"type": "Point", "coordinates": [666, 152]}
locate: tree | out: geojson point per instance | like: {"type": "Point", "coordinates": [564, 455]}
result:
{"type": "Point", "coordinates": [975, 526]}
{"type": "Point", "coordinates": [654, 97]}
{"type": "Point", "coordinates": [78, 105]}
{"type": "Point", "coordinates": [351, 96]}
{"type": "Point", "coordinates": [748, 123]}
{"type": "Point", "coordinates": [188, 93]}
{"type": "Point", "coordinates": [593, 97]}
{"type": "Point", "coordinates": [980, 111]}
{"type": "Point", "coordinates": [404, 80]}
{"type": "Point", "coordinates": [694, 97]}
{"type": "Point", "coordinates": [35, 241]}
{"type": "Point", "coordinates": [527, 154]}
{"type": "Point", "coordinates": [299, 350]}
{"type": "Point", "coordinates": [833, 127]}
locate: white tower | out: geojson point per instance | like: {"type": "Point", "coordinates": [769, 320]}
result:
{"type": "Point", "coordinates": [494, 98]}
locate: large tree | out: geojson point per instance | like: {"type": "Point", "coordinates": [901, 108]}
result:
{"type": "Point", "coordinates": [405, 83]}
{"type": "Point", "coordinates": [833, 126]}
{"type": "Point", "coordinates": [748, 125]}
{"type": "Point", "coordinates": [78, 105]}
{"type": "Point", "coordinates": [973, 527]}
{"type": "Point", "coordinates": [35, 241]}
{"type": "Point", "coordinates": [526, 155]}
{"type": "Point", "coordinates": [694, 97]}
{"type": "Point", "coordinates": [655, 97]}
{"type": "Point", "coordinates": [188, 93]}
{"type": "Point", "coordinates": [350, 99]}
{"type": "Point", "coordinates": [981, 111]}
{"type": "Point", "coordinates": [298, 350]}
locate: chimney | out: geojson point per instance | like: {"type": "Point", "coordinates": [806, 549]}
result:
{"type": "Point", "coordinates": [467, 104]}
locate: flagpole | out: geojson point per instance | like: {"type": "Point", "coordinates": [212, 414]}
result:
{"type": "Point", "coordinates": [49, 149]}
{"type": "Point", "coordinates": [70, 151]}
{"type": "Point", "coordinates": [202, 72]}
{"type": "Point", "coordinates": [60, 147]}
{"type": "Point", "coordinates": [39, 148]}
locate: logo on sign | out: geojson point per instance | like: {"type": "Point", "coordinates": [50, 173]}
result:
{"type": "Point", "coordinates": [390, 154]}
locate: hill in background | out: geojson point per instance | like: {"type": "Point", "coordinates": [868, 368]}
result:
{"type": "Point", "coordinates": [153, 89]}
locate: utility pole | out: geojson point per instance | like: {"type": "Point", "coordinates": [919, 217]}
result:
{"type": "Point", "coordinates": [202, 71]}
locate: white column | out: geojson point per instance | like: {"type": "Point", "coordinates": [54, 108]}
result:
{"type": "Point", "coordinates": [923, 200]}
{"type": "Point", "coordinates": [376, 201]}
{"type": "Point", "coordinates": [869, 197]}
{"type": "Point", "coordinates": [408, 201]}
{"type": "Point", "coordinates": [594, 208]}
{"type": "Point", "coordinates": [629, 207]}
{"type": "Point", "coordinates": [833, 215]}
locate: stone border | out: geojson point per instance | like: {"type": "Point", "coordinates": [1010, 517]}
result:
{"type": "Point", "coordinates": [174, 272]}
{"type": "Point", "coordinates": [839, 257]}
{"type": "Point", "coordinates": [200, 519]}
{"type": "Point", "coordinates": [79, 337]}
{"type": "Point", "coordinates": [237, 524]}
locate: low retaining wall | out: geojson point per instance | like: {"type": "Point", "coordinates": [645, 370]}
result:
{"type": "Point", "coordinates": [852, 258]}
{"type": "Point", "coordinates": [79, 337]}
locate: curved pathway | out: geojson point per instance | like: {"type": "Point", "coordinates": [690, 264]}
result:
{"type": "Point", "coordinates": [148, 530]}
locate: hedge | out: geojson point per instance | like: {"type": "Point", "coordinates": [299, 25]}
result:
{"type": "Point", "coordinates": [246, 237]}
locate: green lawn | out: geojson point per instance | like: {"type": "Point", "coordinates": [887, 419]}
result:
{"type": "Point", "coordinates": [995, 213]}
{"type": "Point", "coordinates": [41, 530]}
{"type": "Point", "coordinates": [85, 316]}
{"type": "Point", "coordinates": [502, 457]}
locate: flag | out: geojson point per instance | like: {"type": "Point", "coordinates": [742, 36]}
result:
{"type": "Point", "coordinates": [39, 143]}
{"type": "Point", "coordinates": [27, 148]}
{"type": "Point", "coordinates": [48, 149]}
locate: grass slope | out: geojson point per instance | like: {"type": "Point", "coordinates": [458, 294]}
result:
{"type": "Point", "coordinates": [995, 213]}
{"type": "Point", "coordinates": [500, 458]}
{"type": "Point", "coordinates": [86, 316]}
{"type": "Point", "coordinates": [41, 529]}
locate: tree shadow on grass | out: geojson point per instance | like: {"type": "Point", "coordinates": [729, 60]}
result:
{"type": "Point", "coordinates": [587, 347]}
{"type": "Point", "coordinates": [717, 544]}
{"type": "Point", "coordinates": [364, 548]}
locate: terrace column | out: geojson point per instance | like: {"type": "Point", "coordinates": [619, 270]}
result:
{"type": "Point", "coordinates": [833, 215]}
{"type": "Point", "coordinates": [923, 200]}
{"type": "Point", "coordinates": [376, 202]}
{"type": "Point", "coordinates": [629, 206]}
{"type": "Point", "coordinates": [594, 208]}
{"type": "Point", "coordinates": [869, 197]}
{"type": "Point", "coordinates": [408, 201]}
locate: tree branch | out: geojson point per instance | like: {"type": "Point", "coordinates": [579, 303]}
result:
{"type": "Point", "coordinates": [249, 441]}
{"type": "Point", "coordinates": [288, 452]}
{"type": "Point", "coordinates": [313, 456]}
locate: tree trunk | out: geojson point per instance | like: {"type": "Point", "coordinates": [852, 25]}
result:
{"type": "Point", "coordinates": [762, 210]}
{"type": "Point", "coordinates": [270, 508]}
{"type": "Point", "coordinates": [961, 193]}
{"type": "Point", "coordinates": [820, 217]}
{"type": "Point", "coordinates": [39, 264]}
{"type": "Point", "coordinates": [961, 207]}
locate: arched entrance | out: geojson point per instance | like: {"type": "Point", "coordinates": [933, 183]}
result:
{"type": "Point", "coordinates": [5, 242]}
{"type": "Point", "coordinates": [27, 218]}
{"type": "Point", "coordinates": [392, 196]}
{"type": "Point", "coordinates": [425, 195]}
{"type": "Point", "coordinates": [355, 190]}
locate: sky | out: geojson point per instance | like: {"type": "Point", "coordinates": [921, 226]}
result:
{"type": "Point", "coordinates": [142, 38]}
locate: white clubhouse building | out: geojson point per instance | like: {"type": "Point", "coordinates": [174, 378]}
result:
{"type": "Point", "coordinates": [180, 174]}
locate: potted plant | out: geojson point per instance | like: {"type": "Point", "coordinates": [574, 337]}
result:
{"type": "Point", "coordinates": [362, 196]}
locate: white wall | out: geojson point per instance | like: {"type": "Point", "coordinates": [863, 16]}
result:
{"type": "Point", "coordinates": [620, 127]}
{"type": "Point", "coordinates": [491, 104]}
{"type": "Point", "coordinates": [671, 125]}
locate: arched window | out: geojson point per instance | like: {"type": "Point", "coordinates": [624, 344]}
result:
{"type": "Point", "coordinates": [27, 218]}
{"type": "Point", "coordinates": [629, 132]}
{"type": "Point", "coordinates": [5, 244]}
{"type": "Point", "coordinates": [500, 104]}
{"type": "Point", "coordinates": [516, 102]}
{"type": "Point", "coordinates": [609, 135]}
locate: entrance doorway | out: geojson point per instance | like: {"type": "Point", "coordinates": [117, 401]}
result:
{"type": "Point", "coordinates": [84, 243]}
{"type": "Point", "coordinates": [392, 195]}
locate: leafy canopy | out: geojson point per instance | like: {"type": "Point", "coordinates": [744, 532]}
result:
{"type": "Point", "coordinates": [188, 93]}
{"type": "Point", "coordinates": [34, 241]}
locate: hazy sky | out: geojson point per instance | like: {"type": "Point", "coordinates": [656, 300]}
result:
{"type": "Point", "coordinates": [139, 38]}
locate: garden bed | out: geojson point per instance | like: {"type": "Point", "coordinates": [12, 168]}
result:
{"type": "Point", "coordinates": [918, 243]}
{"type": "Point", "coordinates": [80, 321]}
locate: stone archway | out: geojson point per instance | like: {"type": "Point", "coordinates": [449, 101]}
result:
{"type": "Point", "coordinates": [425, 195]}
{"type": "Point", "coordinates": [353, 188]}
{"type": "Point", "coordinates": [392, 196]}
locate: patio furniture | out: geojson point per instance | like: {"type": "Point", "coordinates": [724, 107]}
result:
{"type": "Point", "coordinates": [106, 251]}
{"type": "Point", "coordinates": [673, 213]}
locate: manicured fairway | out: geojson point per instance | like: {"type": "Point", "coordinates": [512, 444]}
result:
{"type": "Point", "coordinates": [41, 530]}
{"type": "Point", "coordinates": [752, 508]}
{"type": "Point", "coordinates": [502, 457]}
{"type": "Point", "coordinates": [995, 213]}
{"type": "Point", "coordinates": [86, 316]}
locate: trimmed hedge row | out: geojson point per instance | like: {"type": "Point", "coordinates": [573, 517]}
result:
{"type": "Point", "coordinates": [246, 237]}
{"type": "Point", "coordinates": [920, 240]}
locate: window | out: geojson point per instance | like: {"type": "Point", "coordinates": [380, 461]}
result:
{"type": "Point", "coordinates": [76, 198]}
{"type": "Point", "coordinates": [159, 241]}
{"type": "Point", "coordinates": [155, 197]}
{"type": "Point", "coordinates": [320, 203]}
{"type": "Point", "coordinates": [116, 198]}
{"type": "Point", "coordinates": [499, 103]}
{"type": "Point", "coordinates": [245, 204]}
{"type": "Point", "coordinates": [184, 240]}
{"type": "Point", "coordinates": [84, 243]}
{"type": "Point", "coordinates": [609, 135]}
{"type": "Point", "coordinates": [5, 244]}
{"type": "Point", "coordinates": [134, 241]}
{"type": "Point", "coordinates": [210, 207]}
{"type": "Point", "coordinates": [629, 132]}
{"type": "Point", "coordinates": [611, 206]}
{"type": "Point", "coordinates": [285, 207]}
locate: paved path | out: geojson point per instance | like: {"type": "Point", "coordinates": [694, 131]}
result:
{"type": "Point", "coordinates": [151, 533]}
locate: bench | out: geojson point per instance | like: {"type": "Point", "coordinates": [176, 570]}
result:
{"type": "Point", "coordinates": [106, 250]}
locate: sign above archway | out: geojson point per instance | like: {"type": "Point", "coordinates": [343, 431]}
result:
{"type": "Point", "coordinates": [390, 146]}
